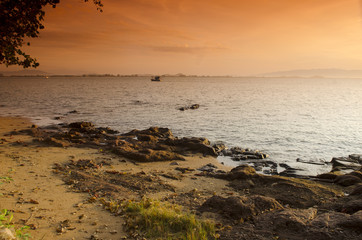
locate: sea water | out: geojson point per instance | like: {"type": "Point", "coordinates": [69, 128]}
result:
{"type": "Point", "coordinates": [287, 118]}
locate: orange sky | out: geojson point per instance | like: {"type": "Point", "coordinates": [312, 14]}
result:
{"type": "Point", "coordinates": [211, 37]}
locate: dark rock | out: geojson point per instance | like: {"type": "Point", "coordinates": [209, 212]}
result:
{"type": "Point", "coordinates": [153, 131]}
{"type": "Point", "coordinates": [357, 157]}
{"type": "Point", "coordinates": [353, 222]}
{"type": "Point", "coordinates": [284, 165]}
{"type": "Point", "coordinates": [194, 106]}
{"type": "Point", "coordinates": [293, 219]}
{"type": "Point", "coordinates": [329, 176]}
{"type": "Point", "coordinates": [356, 173]}
{"type": "Point", "coordinates": [184, 169]}
{"type": "Point", "coordinates": [148, 138]}
{"type": "Point", "coordinates": [241, 172]}
{"type": "Point", "coordinates": [226, 152]}
{"type": "Point", "coordinates": [208, 168]}
{"type": "Point", "coordinates": [258, 168]}
{"type": "Point", "coordinates": [357, 190]}
{"type": "Point", "coordinates": [240, 207]}
{"type": "Point", "coordinates": [347, 180]}
{"type": "Point", "coordinates": [56, 142]}
{"type": "Point", "coordinates": [313, 162]}
{"type": "Point", "coordinates": [107, 130]}
{"type": "Point", "coordinates": [293, 173]}
{"type": "Point", "coordinates": [270, 172]}
{"type": "Point", "coordinates": [172, 176]}
{"type": "Point", "coordinates": [147, 155]}
{"type": "Point", "coordinates": [329, 219]}
{"type": "Point", "coordinates": [297, 193]}
{"type": "Point", "coordinates": [80, 125]}
{"type": "Point", "coordinates": [345, 163]}
{"type": "Point", "coordinates": [239, 154]}
{"type": "Point", "coordinates": [199, 145]}
{"type": "Point", "coordinates": [86, 163]}
{"type": "Point", "coordinates": [72, 112]}
{"type": "Point", "coordinates": [352, 206]}
{"type": "Point", "coordinates": [219, 147]}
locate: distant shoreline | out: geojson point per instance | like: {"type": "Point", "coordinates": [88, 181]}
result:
{"type": "Point", "coordinates": [171, 76]}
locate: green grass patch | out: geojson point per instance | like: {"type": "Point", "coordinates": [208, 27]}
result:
{"type": "Point", "coordinates": [162, 220]}
{"type": "Point", "coordinates": [6, 218]}
{"type": "Point", "coordinates": [5, 179]}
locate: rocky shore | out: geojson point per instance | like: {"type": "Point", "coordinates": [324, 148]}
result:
{"type": "Point", "coordinates": [153, 163]}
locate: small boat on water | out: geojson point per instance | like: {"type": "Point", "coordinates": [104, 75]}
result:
{"type": "Point", "coordinates": [156, 79]}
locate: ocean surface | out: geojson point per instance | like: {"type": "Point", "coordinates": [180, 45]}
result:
{"type": "Point", "coordinates": [288, 118]}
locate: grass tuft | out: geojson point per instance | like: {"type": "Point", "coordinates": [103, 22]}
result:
{"type": "Point", "coordinates": [6, 218]}
{"type": "Point", "coordinates": [162, 220]}
{"type": "Point", "coordinates": [5, 179]}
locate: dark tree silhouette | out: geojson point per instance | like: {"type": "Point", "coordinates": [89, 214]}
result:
{"type": "Point", "coordinates": [20, 19]}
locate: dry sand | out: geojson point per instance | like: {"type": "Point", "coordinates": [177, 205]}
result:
{"type": "Point", "coordinates": [39, 198]}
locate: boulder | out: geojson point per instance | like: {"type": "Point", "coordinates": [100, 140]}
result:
{"type": "Point", "coordinates": [357, 157]}
{"type": "Point", "coordinates": [240, 208]}
{"type": "Point", "coordinates": [357, 190]}
{"type": "Point", "coordinates": [354, 222]}
{"type": "Point", "coordinates": [219, 147]}
{"type": "Point", "coordinates": [329, 219]}
{"type": "Point", "coordinates": [296, 193]}
{"type": "Point", "coordinates": [208, 168]}
{"type": "Point", "coordinates": [193, 144]}
{"type": "Point", "coordinates": [356, 173]}
{"type": "Point", "coordinates": [153, 131]}
{"type": "Point", "coordinates": [295, 220]}
{"type": "Point", "coordinates": [352, 206]}
{"type": "Point", "coordinates": [329, 176]}
{"type": "Point", "coordinates": [240, 154]}
{"type": "Point", "coordinates": [147, 155]}
{"type": "Point", "coordinates": [147, 138]}
{"type": "Point", "coordinates": [241, 172]}
{"type": "Point", "coordinates": [347, 180]}
{"type": "Point", "coordinates": [346, 163]}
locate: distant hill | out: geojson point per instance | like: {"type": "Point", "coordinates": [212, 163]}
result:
{"type": "Point", "coordinates": [332, 72]}
{"type": "Point", "coordinates": [25, 72]}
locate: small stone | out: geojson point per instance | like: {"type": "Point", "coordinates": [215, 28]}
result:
{"type": "Point", "coordinates": [33, 201]}
{"type": "Point", "coordinates": [6, 234]}
{"type": "Point", "coordinates": [78, 205]}
{"type": "Point", "coordinates": [60, 229]}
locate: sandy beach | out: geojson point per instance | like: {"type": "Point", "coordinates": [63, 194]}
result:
{"type": "Point", "coordinates": [65, 189]}
{"type": "Point", "coordinates": [40, 199]}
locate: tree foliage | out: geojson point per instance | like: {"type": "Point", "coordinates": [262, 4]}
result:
{"type": "Point", "coordinates": [20, 19]}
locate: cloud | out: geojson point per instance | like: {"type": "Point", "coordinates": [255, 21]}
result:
{"type": "Point", "coordinates": [188, 50]}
